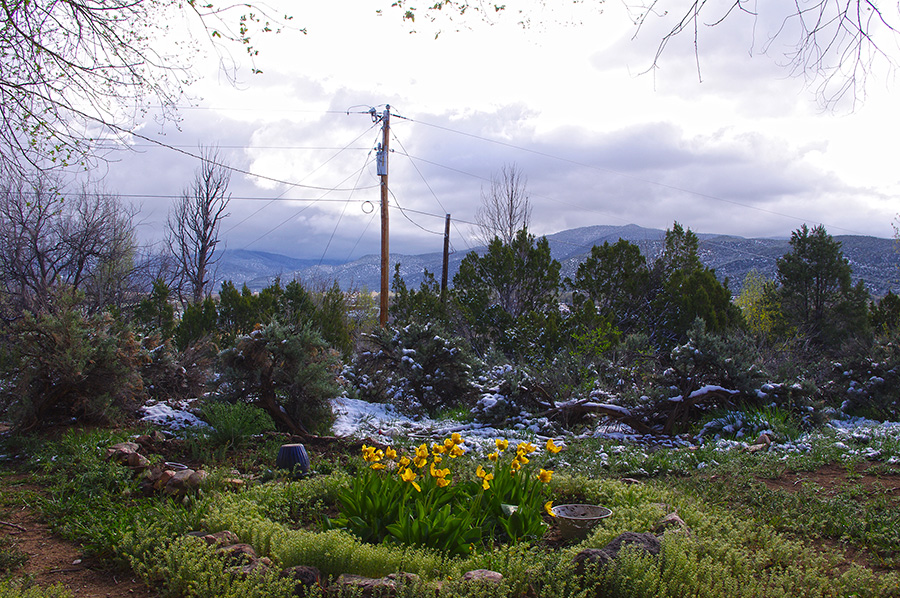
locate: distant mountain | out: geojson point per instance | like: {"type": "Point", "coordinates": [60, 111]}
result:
{"type": "Point", "coordinates": [257, 269]}
{"type": "Point", "coordinates": [874, 260]}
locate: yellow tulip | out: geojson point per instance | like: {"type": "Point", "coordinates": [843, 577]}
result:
{"type": "Point", "coordinates": [390, 453]}
{"type": "Point", "coordinates": [441, 482]}
{"type": "Point", "coordinates": [422, 451]}
{"type": "Point", "coordinates": [377, 466]}
{"type": "Point", "coordinates": [493, 456]}
{"type": "Point", "coordinates": [457, 451]}
{"type": "Point", "coordinates": [549, 508]}
{"type": "Point", "coordinates": [552, 448]}
{"type": "Point", "coordinates": [456, 438]}
{"type": "Point", "coordinates": [544, 476]}
{"type": "Point", "coordinates": [502, 444]}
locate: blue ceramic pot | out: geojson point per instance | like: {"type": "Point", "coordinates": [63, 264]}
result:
{"type": "Point", "coordinates": [291, 455]}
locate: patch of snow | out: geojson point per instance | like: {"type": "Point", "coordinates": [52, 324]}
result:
{"type": "Point", "coordinates": [165, 416]}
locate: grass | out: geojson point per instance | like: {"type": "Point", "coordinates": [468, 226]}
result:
{"type": "Point", "coordinates": [746, 539]}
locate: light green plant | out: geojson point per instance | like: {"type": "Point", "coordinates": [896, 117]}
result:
{"type": "Point", "coordinates": [233, 423]}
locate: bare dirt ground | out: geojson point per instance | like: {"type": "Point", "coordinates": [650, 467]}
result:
{"type": "Point", "coordinates": [52, 560]}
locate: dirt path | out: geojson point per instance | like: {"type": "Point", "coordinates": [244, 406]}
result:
{"type": "Point", "coordinates": [52, 560]}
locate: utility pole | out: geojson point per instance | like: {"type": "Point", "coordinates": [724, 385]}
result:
{"type": "Point", "coordinates": [382, 166]}
{"type": "Point", "coordinates": [446, 258]}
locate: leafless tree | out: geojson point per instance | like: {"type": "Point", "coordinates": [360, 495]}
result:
{"type": "Point", "coordinates": [505, 208]}
{"type": "Point", "coordinates": [75, 71]}
{"type": "Point", "coordinates": [52, 241]}
{"type": "Point", "coordinates": [834, 44]}
{"type": "Point", "coordinates": [193, 225]}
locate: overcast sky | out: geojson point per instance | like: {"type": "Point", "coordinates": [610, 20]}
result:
{"type": "Point", "coordinates": [747, 150]}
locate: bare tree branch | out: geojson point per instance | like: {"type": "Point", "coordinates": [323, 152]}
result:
{"type": "Point", "coordinates": [505, 208]}
{"type": "Point", "coordinates": [70, 68]}
{"type": "Point", "coordinates": [836, 45]}
{"type": "Point", "coordinates": [193, 225]}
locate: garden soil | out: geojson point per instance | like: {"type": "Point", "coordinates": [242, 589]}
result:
{"type": "Point", "coordinates": [52, 560]}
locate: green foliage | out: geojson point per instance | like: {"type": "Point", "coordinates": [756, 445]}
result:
{"type": "Point", "coordinates": [198, 321]}
{"type": "Point", "coordinates": [333, 321]}
{"type": "Point", "coordinates": [396, 500]}
{"type": "Point", "coordinates": [188, 567]}
{"type": "Point", "coordinates": [866, 383]}
{"type": "Point", "coordinates": [73, 366]}
{"type": "Point", "coordinates": [234, 423]}
{"type": "Point", "coordinates": [416, 368]}
{"type": "Point", "coordinates": [11, 556]}
{"type": "Point", "coordinates": [492, 290]}
{"type": "Point", "coordinates": [686, 290]}
{"type": "Point", "coordinates": [816, 292]}
{"type": "Point", "coordinates": [155, 312]}
{"type": "Point", "coordinates": [287, 370]}
{"type": "Point", "coordinates": [884, 314]}
{"type": "Point", "coordinates": [423, 306]}
{"type": "Point", "coordinates": [616, 279]}
{"type": "Point", "coordinates": [23, 588]}
{"type": "Point", "coordinates": [759, 305]}
{"type": "Point", "coordinates": [171, 374]}
{"type": "Point", "coordinates": [237, 311]}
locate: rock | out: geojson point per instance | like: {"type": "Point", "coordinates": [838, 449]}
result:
{"type": "Point", "coordinates": [177, 484]}
{"type": "Point", "coordinates": [671, 522]}
{"type": "Point", "coordinates": [196, 479]}
{"type": "Point", "coordinates": [304, 577]}
{"type": "Point", "coordinates": [368, 587]}
{"type": "Point", "coordinates": [629, 481]}
{"type": "Point", "coordinates": [234, 483]}
{"type": "Point", "coordinates": [238, 555]}
{"type": "Point", "coordinates": [763, 439]}
{"type": "Point", "coordinates": [599, 557]}
{"type": "Point", "coordinates": [119, 452]}
{"type": "Point", "coordinates": [254, 567]}
{"type": "Point", "coordinates": [137, 462]}
{"type": "Point", "coordinates": [483, 576]}
{"type": "Point", "coordinates": [164, 477]}
{"type": "Point", "coordinates": [755, 448]}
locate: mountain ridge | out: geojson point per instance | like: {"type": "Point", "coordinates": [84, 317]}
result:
{"type": "Point", "coordinates": [874, 260]}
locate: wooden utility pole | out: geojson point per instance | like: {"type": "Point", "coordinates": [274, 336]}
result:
{"type": "Point", "coordinates": [446, 258]}
{"type": "Point", "coordinates": [382, 165]}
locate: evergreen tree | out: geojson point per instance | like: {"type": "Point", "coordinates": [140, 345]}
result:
{"type": "Point", "coordinates": [616, 279]}
{"type": "Point", "coordinates": [815, 288]}
{"type": "Point", "coordinates": [510, 280]}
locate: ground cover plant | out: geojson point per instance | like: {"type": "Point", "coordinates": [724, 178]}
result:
{"type": "Point", "coordinates": [745, 537]}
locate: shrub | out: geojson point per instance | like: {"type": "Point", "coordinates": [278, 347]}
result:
{"type": "Point", "coordinates": [73, 367]}
{"type": "Point", "coordinates": [416, 369]}
{"type": "Point", "coordinates": [170, 374]}
{"type": "Point", "coordinates": [233, 424]}
{"type": "Point", "coordinates": [287, 370]}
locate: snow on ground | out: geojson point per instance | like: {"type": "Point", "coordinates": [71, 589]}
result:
{"type": "Point", "coordinates": [385, 424]}
{"type": "Point", "coordinates": [175, 419]}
